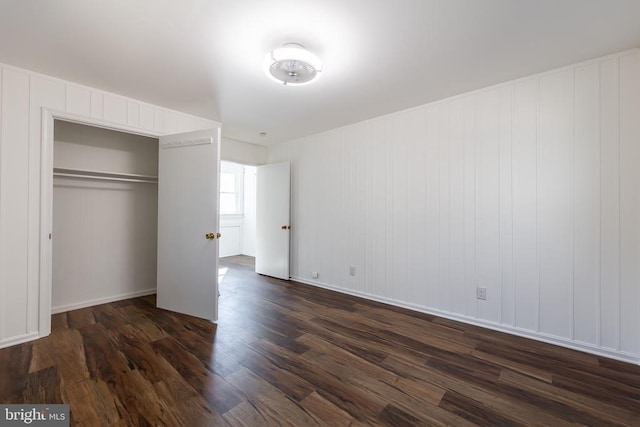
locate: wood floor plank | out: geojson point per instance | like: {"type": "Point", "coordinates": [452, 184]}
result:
{"type": "Point", "coordinates": [139, 396]}
{"type": "Point", "coordinates": [443, 338]}
{"type": "Point", "coordinates": [141, 356]}
{"type": "Point", "coordinates": [521, 408]}
{"type": "Point", "coordinates": [59, 321]}
{"type": "Point", "coordinates": [394, 416]}
{"type": "Point", "coordinates": [355, 401]}
{"type": "Point", "coordinates": [68, 352]}
{"type": "Point", "coordinates": [247, 415]}
{"type": "Point", "coordinates": [196, 412]}
{"type": "Point", "coordinates": [518, 367]}
{"type": "Point", "coordinates": [80, 318]}
{"type": "Point", "coordinates": [325, 412]}
{"type": "Point", "coordinates": [175, 388]}
{"type": "Point", "coordinates": [41, 357]}
{"type": "Point", "coordinates": [291, 385]}
{"type": "Point", "coordinates": [14, 362]}
{"type": "Point", "coordinates": [99, 406]}
{"type": "Point", "coordinates": [616, 373]}
{"type": "Point", "coordinates": [474, 411]}
{"type": "Point", "coordinates": [323, 347]}
{"type": "Point", "coordinates": [387, 390]}
{"type": "Point", "coordinates": [42, 386]}
{"type": "Point", "coordinates": [103, 360]}
{"type": "Point", "coordinates": [270, 401]}
{"type": "Point", "coordinates": [600, 388]}
{"type": "Point", "coordinates": [215, 389]}
{"type": "Point", "coordinates": [601, 412]}
{"type": "Point", "coordinates": [285, 353]}
{"type": "Point", "coordinates": [629, 398]}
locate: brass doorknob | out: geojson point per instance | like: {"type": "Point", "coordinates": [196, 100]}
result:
{"type": "Point", "coordinates": [209, 236]}
{"type": "Point", "coordinates": [285, 227]}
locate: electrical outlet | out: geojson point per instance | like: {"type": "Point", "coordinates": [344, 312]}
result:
{"type": "Point", "coordinates": [314, 274]}
{"type": "Point", "coordinates": [352, 271]}
{"type": "Point", "coordinates": [482, 293]}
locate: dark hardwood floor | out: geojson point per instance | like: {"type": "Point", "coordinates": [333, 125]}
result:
{"type": "Point", "coordinates": [284, 353]}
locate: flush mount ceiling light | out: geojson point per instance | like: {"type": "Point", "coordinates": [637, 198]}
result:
{"type": "Point", "coordinates": [292, 65]}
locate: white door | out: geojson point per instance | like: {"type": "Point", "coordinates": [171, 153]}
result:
{"type": "Point", "coordinates": [272, 219]}
{"type": "Point", "coordinates": [188, 223]}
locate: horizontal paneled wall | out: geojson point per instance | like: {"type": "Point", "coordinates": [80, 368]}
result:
{"type": "Point", "coordinates": [529, 189]}
{"type": "Point", "coordinates": [22, 96]}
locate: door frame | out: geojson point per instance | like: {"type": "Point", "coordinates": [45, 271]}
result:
{"type": "Point", "coordinates": [46, 199]}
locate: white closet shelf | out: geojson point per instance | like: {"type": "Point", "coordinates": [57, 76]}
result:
{"type": "Point", "coordinates": [102, 175]}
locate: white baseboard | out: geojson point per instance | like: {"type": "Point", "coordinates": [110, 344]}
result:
{"type": "Point", "coordinates": [98, 301]}
{"type": "Point", "coordinates": [19, 339]}
{"type": "Point", "coordinates": [525, 333]}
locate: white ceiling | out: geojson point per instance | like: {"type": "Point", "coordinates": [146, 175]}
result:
{"type": "Point", "coordinates": [205, 56]}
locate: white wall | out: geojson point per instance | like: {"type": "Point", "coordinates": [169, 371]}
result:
{"type": "Point", "coordinates": [89, 147]}
{"type": "Point", "coordinates": [22, 96]}
{"type": "Point", "coordinates": [529, 188]}
{"type": "Point", "coordinates": [105, 245]}
{"type": "Point", "coordinates": [242, 152]}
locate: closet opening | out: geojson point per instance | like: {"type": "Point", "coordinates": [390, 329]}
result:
{"type": "Point", "coordinates": [147, 235]}
{"type": "Point", "coordinates": [105, 215]}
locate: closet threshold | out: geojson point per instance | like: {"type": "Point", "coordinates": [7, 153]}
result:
{"type": "Point", "coordinates": [102, 175]}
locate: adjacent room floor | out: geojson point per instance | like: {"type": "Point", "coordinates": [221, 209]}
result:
{"type": "Point", "coordinates": [287, 353]}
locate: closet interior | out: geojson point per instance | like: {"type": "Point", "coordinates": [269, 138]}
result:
{"type": "Point", "coordinates": [105, 211]}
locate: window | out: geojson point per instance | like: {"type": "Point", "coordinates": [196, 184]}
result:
{"type": "Point", "coordinates": [231, 184]}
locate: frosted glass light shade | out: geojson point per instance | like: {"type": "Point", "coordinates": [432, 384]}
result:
{"type": "Point", "coordinates": [292, 65]}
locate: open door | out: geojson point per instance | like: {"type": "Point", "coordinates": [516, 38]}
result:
{"type": "Point", "coordinates": [188, 223]}
{"type": "Point", "coordinates": [272, 219]}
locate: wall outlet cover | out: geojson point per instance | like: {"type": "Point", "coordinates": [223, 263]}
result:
{"type": "Point", "coordinates": [314, 274]}
{"type": "Point", "coordinates": [482, 293]}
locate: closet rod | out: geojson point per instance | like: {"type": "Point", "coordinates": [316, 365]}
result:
{"type": "Point", "coordinates": [103, 178]}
